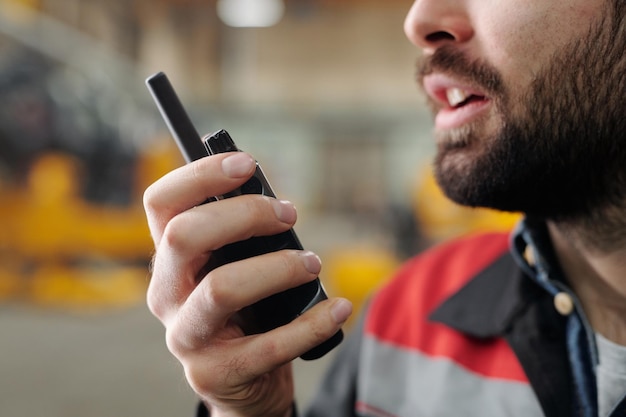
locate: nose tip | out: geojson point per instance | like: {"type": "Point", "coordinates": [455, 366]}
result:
{"type": "Point", "coordinates": [434, 23]}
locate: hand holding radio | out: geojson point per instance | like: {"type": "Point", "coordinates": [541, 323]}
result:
{"type": "Point", "coordinates": [238, 295]}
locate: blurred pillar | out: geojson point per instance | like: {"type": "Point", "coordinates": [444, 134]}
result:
{"type": "Point", "coordinates": [182, 40]}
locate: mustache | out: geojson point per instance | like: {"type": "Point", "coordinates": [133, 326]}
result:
{"type": "Point", "coordinates": [451, 61]}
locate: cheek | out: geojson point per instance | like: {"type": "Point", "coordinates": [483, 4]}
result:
{"type": "Point", "coordinates": [517, 48]}
{"type": "Point", "coordinates": [520, 38]}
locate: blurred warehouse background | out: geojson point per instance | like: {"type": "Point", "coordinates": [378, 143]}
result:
{"type": "Point", "coordinates": [323, 94]}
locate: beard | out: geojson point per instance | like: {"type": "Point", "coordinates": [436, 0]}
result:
{"type": "Point", "coordinates": [560, 152]}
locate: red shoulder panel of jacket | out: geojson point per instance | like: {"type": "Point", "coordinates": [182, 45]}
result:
{"type": "Point", "coordinates": [398, 314]}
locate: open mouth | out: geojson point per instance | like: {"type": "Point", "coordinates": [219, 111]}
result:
{"type": "Point", "coordinates": [456, 103]}
{"type": "Point", "coordinates": [459, 107]}
{"type": "Point", "coordinates": [458, 97]}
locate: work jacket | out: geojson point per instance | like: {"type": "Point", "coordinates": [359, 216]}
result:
{"type": "Point", "coordinates": [482, 326]}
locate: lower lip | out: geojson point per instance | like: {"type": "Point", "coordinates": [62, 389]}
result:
{"type": "Point", "coordinates": [451, 118]}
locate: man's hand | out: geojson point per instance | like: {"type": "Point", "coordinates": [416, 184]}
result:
{"type": "Point", "coordinates": [235, 374]}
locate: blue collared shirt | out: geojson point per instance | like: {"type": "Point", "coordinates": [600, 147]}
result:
{"type": "Point", "coordinates": [532, 250]}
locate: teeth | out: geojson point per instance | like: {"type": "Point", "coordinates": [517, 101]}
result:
{"type": "Point", "coordinates": [456, 96]}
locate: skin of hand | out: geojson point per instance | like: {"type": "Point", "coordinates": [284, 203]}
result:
{"type": "Point", "coordinates": [233, 373]}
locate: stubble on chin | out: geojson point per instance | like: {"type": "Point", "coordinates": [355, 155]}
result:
{"type": "Point", "coordinates": [464, 164]}
{"type": "Point", "coordinates": [453, 158]}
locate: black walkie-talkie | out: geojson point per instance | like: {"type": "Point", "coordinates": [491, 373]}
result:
{"type": "Point", "coordinates": [278, 309]}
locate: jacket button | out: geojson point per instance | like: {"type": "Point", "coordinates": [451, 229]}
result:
{"type": "Point", "coordinates": [529, 255]}
{"type": "Point", "coordinates": [563, 303]}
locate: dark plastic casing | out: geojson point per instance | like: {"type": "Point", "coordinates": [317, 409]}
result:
{"type": "Point", "coordinates": [278, 309]}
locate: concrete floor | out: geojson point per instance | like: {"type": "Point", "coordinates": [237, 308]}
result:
{"type": "Point", "coordinates": [111, 364]}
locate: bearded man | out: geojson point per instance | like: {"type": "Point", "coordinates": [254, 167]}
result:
{"type": "Point", "coordinates": [527, 98]}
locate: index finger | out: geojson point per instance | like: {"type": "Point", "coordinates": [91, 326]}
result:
{"type": "Point", "coordinates": [191, 185]}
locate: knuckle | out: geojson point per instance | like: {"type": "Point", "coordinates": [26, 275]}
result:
{"type": "Point", "coordinates": [156, 302]}
{"type": "Point", "coordinates": [149, 197]}
{"type": "Point", "coordinates": [197, 380]}
{"type": "Point", "coordinates": [200, 381]}
{"type": "Point", "coordinates": [253, 205]}
{"type": "Point", "coordinates": [174, 341]}
{"type": "Point", "coordinates": [175, 235]}
{"type": "Point", "coordinates": [289, 265]}
{"type": "Point", "coordinates": [217, 291]}
{"type": "Point", "coordinates": [316, 328]}
{"type": "Point", "coordinates": [288, 262]}
{"type": "Point", "coordinates": [153, 303]}
{"type": "Point", "coordinates": [259, 206]}
{"type": "Point", "coordinates": [319, 331]}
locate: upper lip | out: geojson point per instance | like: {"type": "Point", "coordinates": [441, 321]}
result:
{"type": "Point", "coordinates": [441, 88]}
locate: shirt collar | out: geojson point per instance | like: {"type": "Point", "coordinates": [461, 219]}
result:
{"type": "Point", "coordinates": [485, 306]}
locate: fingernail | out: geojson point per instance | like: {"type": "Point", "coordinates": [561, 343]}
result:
{"type": "Point", "coordinates": [312, 262]}
{"type": "Point", "coordinates": [341, 310]}
{"type": "Point", "coordinates": [285, 211]}
{"type": "Point", "coordinates": [238, 165]}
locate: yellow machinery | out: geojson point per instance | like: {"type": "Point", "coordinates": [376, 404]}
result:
{"type": "Point", "coordinates": [56, 249]}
